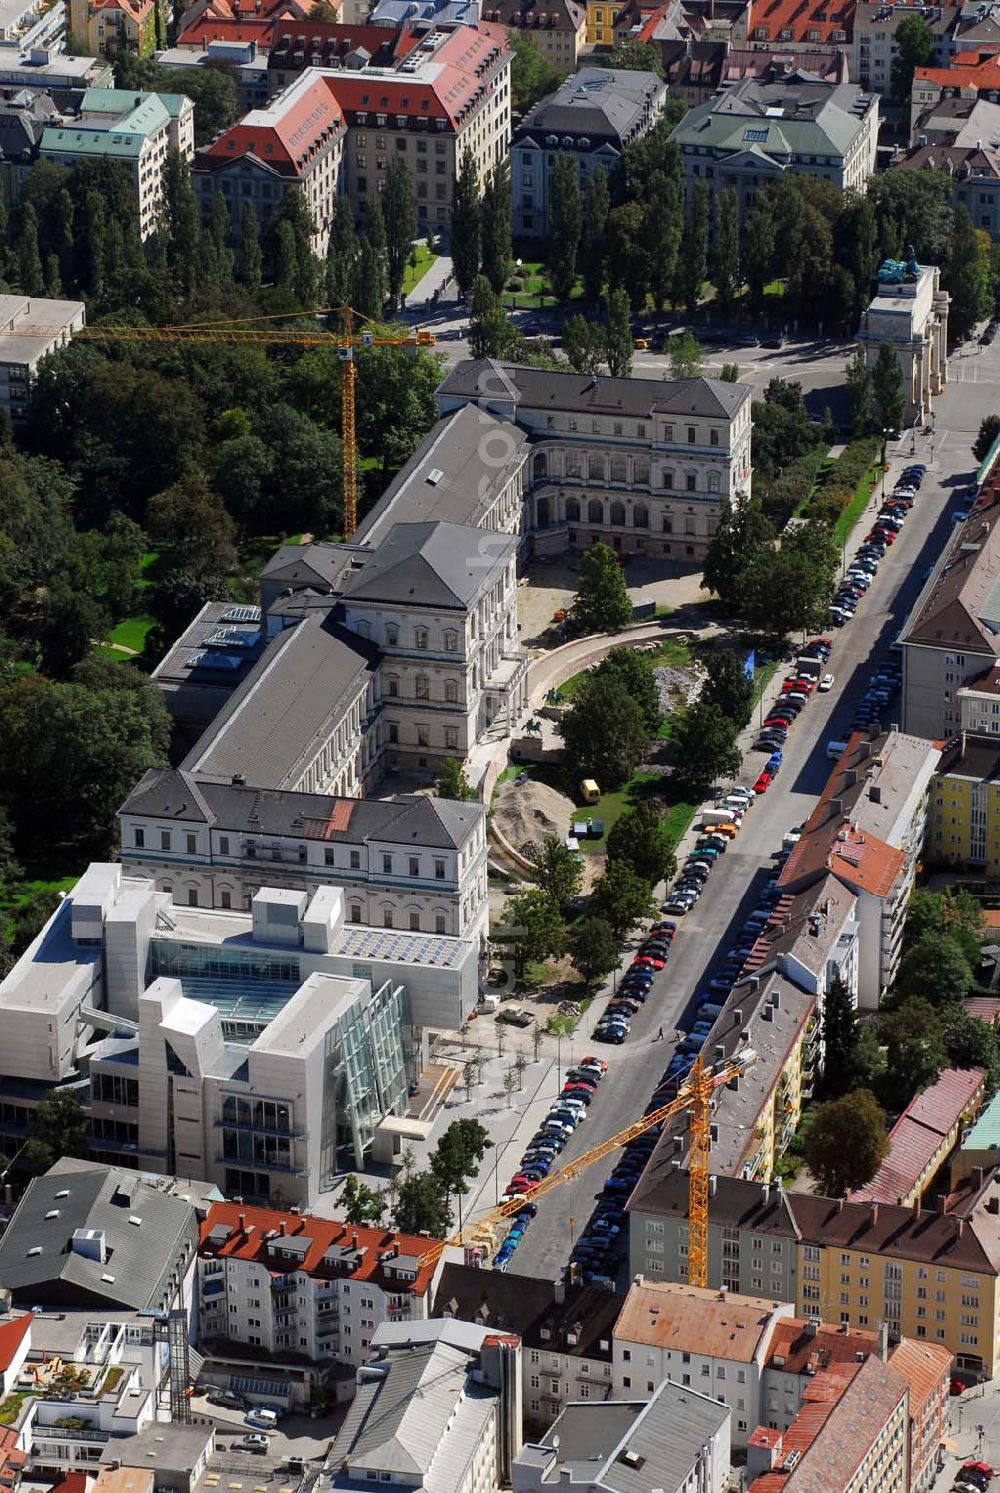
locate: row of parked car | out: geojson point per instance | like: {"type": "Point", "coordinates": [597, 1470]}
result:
{"type": "Point", "coordinates": [792, 700]}
{"type": "Point", "coordinates": [565, 1114]}
{"type": "Point", "coordinates": [616, 1022]}
{"type": "Point", "coordinates": [720, 827]}
{"type": "Point", "coordinates": [973, 1477]}
{"type": "Point", "coordinates": [882, 535]}
{"type": "Point", "coordinates": [601, 1248]}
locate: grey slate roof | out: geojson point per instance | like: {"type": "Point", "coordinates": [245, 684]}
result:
{"type": "Point", "coordinates": [318, 563]}
{"type": "Point", "coordinates": [140, 1257]}
{"type": "Point", "coordinates": [588, 1441]}
{"type": "Point", "coordinates": [525, 1305]}
{"type": "Point", "coordinates": [597, 102]}
{"type": "Point", "coordinates": [799, 116]}
{"type": "Point", "coordinates": [436, 565]}
{"type": "Point", "coordinates": [408, 819]}
{"type": "Point", "coordinates": [582, 393]}
{"type": "Point", "coordinates": [453, 475]}
{"type": "Point", "coordinates": [271, 726]}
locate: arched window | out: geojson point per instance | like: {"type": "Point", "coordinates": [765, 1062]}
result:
{"type": "Point", "coordinates": [618, 469]}
{"type": "Point", "coordinates": [540, 466]}
{"type": "Point", "coordinates": [618, 514]}
{"type": "Point", "coordinates": [595, 468]}
{"type": "Point", "coordinates": [572, 510]}
{"type": "Point", "coordinates": [713, 482]}
{"type": "Point", "coordinates": [391, 634]}
{"type": "Point", "coordinates": [451, 642]}
{"type": "Point", "coordinates": [440, 923]}
{"type": "Point", "coordinates": [595, 511]}
{"type": "Point", "coordinates": [451, 691]}
{"type": "Point", "coordinates": [354, 914]}
{"type": "Point", "coordinates": [421, 637]}
{"type": "Point", "coordinates": [422, 687]}
{"type": "Point", "coordinates": [387, 917]}
{"type": "Point", "coordinates": [392, 686]}
{"type": "Point", "coordinates": [640, 516]}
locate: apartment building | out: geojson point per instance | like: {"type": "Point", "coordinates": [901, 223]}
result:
{"type": "Point", "coordinates": [296, 45]}
{"type": "Point", "coordinates": [31, 327]}
{"type": "Point", "coordinates": [964, 828]}
{"type": "Point", "coordinates": [559, 30]}
{"type": "Point", "coordinates": [979, 1148]}
{"type": "Point", "coordinates": [974, 170]}
{"type": "Point", "coordinates": [452, 94]}
{"type": "Point", "coordinates": [924, 1136]}
{"type": "Point", "coordinates": [565, 1331]}
{"type": "Point", "coordinates": [112, 28]}
{"type": "Point", "coordinates": [592, 117]}
{"type": "Point", "coordinates": [136, 129]}
{"type": "Point", "coordinates": [968, 75]}
{"type": "Point", "coordinates": [796, 26]}
{"type": "Point", "coordinates": [207, 1011]}
{"type": "Point", "coordinates": [411, 862]}
{"type": "Point", "coordinates": [439, 1401]}
{"type": "Point", "coordinates": [949, 639]}
{"type": "Point", "coordinates": [926, 1367]}
{"type": "Point", "coordinates": [294, 1283]}
{"type": "Point", "coordinates": [930, 1275]}
{"type": "Point", "coordinates": [639, 464]}
{"type": "Point", "coordinates": [852, 1434]}
{"type": "Point", "coordinates": [294, 141]}
{"type": "Point", "coordinates": [868, 831]}
{"type": "Point", "coordinates": [912, 316]}
{"type": "Point", "coordinates": [678, 1437]}
{"type": "Point", "coordinates": [713, 1342]}
{"type": "Point", "coordinates": [751, 133]}
{"type": "Point", "coordinates": [873, 40]}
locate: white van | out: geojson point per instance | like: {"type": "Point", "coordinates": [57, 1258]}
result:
{"type": "Point", "coordinates": [262, 1418]}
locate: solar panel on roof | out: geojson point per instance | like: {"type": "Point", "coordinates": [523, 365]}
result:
{"type": "Point", "coordinates": [233, 637]}
{"type": "Point", "coordinates": [213, 659]}
{"type": "Point", "coordinates": [241, 614]}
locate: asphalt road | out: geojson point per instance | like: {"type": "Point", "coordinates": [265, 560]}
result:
{"type": "Point", "coordinates": [739, 874]}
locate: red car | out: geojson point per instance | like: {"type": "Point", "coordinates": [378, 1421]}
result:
{"type": "Point", "coordinates": [982, 1467]}
{"type": "Point", "coordinates": [820, 643]}
{"type": "Point", "coordinates": [763, 783]}
{"type": "Point", "coordinates": [589, 1062]}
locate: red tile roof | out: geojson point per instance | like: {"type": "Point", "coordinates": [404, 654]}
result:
{"type": "Point", "coordinates": [326, 43]}
{"type": "Point", "coordinates": [979, 70]}
{"type": "Point", "coordinates": [211, 28]}
{"type": "Point", "coordinates": [255, 1233]}
{"type": "Point", "coordinates": [813, 21]}
{"type": "Point", "coordinates": [13, 1331]}
{"type": "Point", "coordinates": [920, 1133]}
{"type": "Point", "coordinates": [448, 86]}
{"type": "Point", "coordinates": [800, 1347]}
{"type": "Point", "coordinates": [287, 135]}
{"type": "Point", "coordinates": [925, 1367]}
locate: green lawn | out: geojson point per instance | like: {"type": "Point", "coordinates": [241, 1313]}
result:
{"type": "Point", "coordinates": [612, 806]}
{"type": "Point", "coordinates": [424, 259]}
{"type": "Point", "coordinates": [146, 565]}
{"type": "Point", "coordinates": [132, 632]}
{"type": "Point", "coordinates": [673, 652]}
{"type": "Point", "coordinates": [856, 507]}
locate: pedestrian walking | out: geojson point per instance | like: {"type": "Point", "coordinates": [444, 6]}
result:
{"type": "Point", "coordinates": [659, 1036]}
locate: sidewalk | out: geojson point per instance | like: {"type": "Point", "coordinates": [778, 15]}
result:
{"type": "Point", "coordinates": [438, 273]}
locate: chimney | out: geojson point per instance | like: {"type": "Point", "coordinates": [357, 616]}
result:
{"type": "Point", "coordinates": [241, 1219]}
{"type": "Point", "coordinates": [874, 1215]}
{"type": "Point", "coordinates": [875, 793]}
{"type": "Point", "coordinates": [978, 1176]}
{"type": "Point", "coordinates": [812, 1327]}
{"type": "Point", "coordinates": [836, 808]}
{"type": "Point", "coordinates": [840, 1205]}
{"type": "Point", "coordinates": [558, 1292]}
{"type": "Point", "coordinates": [354, 1241]}
{"type": "Point", "coordinates": [916, 1208]}
{"type": "Point", "coordinates": [713, 1186]}
{"type": "Point", "coordinates": [993, 1206]}
{"type": "Point", "coordinates": [281, 1226]}
{"type": "Point", "coordinates": [883, 1341]}
{"type": "Point", "coordinates": [765, 1192]}
{"type": "Point", "coordinates": [961, 1227]}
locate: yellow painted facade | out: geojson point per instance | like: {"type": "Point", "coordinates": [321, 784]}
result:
{"type": "Point", "coordinates": [781, 1112]}
{"type": "Point", "coordinates": [936, 1303]}
{"type": "Point", "coordinates": [600, 24]}
{"type": "Point", "coordinates": [964, 821]}
{"type": "Point", "coordinates": [107, 30]}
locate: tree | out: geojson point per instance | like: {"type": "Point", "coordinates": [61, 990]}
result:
{"type": "Point", "coordinates": [465, 225]}
{"type": "Point", "coordinates": [368, 289]}
{"type": "Point", "coordinates": [955, 914]}
{"type": "Point", "coordinates": [989, 429]}
{"type": "Point", "coordinates": [558, 871]}
{"type": "Point", "coordinates": [341, 254]}
{"type": "Point", "coordinates": [914, 48]}
{"type": "Point", "coordinates": [965, 277]}
{"type": "Point", "coordinates": [29, 919]}
{"type": "Point", "coordinates": [59, 1129]}
{"type": "Point", "coordinates": [604, 732]}
{"type": "Point", "coordinates": [71, 621]}
{"type": "Point", "coordinates": [618, 334]}
{"type": "Point", "coordinates": [421, 1207]}
{"type": "Point", "coordinates": [642, 840]}
{"type": "Point", "coordinates": [840, 1039]}
{"type": "Point", "coordinates": [532, 76]}
{"type": "Point", "coordinates": [191, 527]}
{"type": "Point", "coordinates": [620, 897]}
{"type": "Point", "coordinates": [250, 261]}
{"type": "Point", "coordinates": [453, 782]}
{"type": "Point", "coordinates": [936, 969]}
{"type": "Point", "coordinates": [913, 1035]}
{"type": "Point", "coordinates": [859, 386]}
{"type": "Point", "coordinates": [791, 587]}
{"type": "Point", "coordinates": [846, 1142]}
{"type": "Point", "coordinates": [179, 221]}
{"type": "Point", "coordinates": [565, 221]}
{"type": "Point", "coordinates": [496, 217]}
{"type": "Point", "coordinates": [593, 236]}
{"type": "Point", "coordinates": [704, 747]}
{"type": "Point", "coordinates": [594, 949]}
{"type": "Point", "coordinates": [744, 535]}
{"type": "Point", "coordinates": [729, 686]}
{"type": "Point", "coordinates": [888, 399]}
{"type": "Point", "coordinates": [664, 224]}
{"type": "Point", "coordinates": [359, 1203]}
{"type": "Point", "coordinates": [601, 603]}
{"type": "Point", "coordinates": [490, 332]}
{"type": "Point", "coordinates": [214, 91]}
{"type": "Point", "coordinates": [541, 932]}
{"type": "Point", "coordinates": [399, 211]}
{"type": "Point", "coordinates": [972, 1043]}
{"type": "Point", "coordinates": [758, 243]}
{"type": "Point", "coordinates": [396, 406]}
{"type": "Point", "coordinates": [626, 256]}
{"type": "Point", "coordinates": [457, 1157]}
{"type": "Point", "coordinates": [585, 344]}
{"type": "Point", "coordinates": [692, 262]}
{"type": "Point", "coordinates": [730, 373]}
{"type": "Point", "coordinates": [685, 356]}
{"type": "Point", "coordinates": [726, 259]}
{"type": "Point", "coordinates": [781, 428]}
{"type": "Point", "coordinates": [631, 56]}
{"type": "Point", "coordinates": [29, 262]}
{"type": "Point", "coordinates": [634, 670]}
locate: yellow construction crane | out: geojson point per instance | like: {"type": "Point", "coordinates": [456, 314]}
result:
{"type": "Point", "coordinates": [244, 333]}
{"type": "Point", "coordinates": [695, 1094]}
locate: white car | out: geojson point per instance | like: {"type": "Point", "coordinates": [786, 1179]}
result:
{"type": "Point", "coordinates": [825, 684]}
